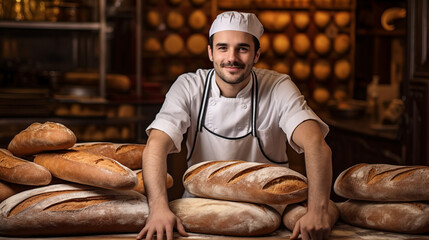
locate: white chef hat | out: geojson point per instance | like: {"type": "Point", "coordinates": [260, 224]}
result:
{"type": "Point", "coordinates": [237, 21]}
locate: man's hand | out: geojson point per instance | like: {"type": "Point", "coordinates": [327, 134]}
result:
{"type": "Point", "coordinates": [161, 222]}
{"type": "Point", "coordinates": [312, 226]}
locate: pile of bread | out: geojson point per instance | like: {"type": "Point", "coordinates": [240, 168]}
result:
{"type": "Point", "coordinates": [385, 197]}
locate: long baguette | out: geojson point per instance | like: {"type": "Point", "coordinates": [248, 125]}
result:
{"type": "Point", "coordinates": [140, 185]}
{"type": "Point", "coordinates": [87, 168]}
{"type": "Point", "coordinates": [67, 209]}
{"type": "Point", "coordinates": [383, 182]}
{"type": "Point", "coordinates": [20, 171]}
{"type": "Point", "coordinates": [402, 217]}
{"type": "Point", "coordinates": [41, 137]}
{"type": "Point", "coordinates": [129, 155]}
{"type": "Point", "coordinates": [211, 216]}
{"type": "Point", "coordinates": [245, 181]}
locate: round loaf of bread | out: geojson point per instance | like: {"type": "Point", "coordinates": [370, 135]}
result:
{"type": "Point", "coordinates": [321, 70]}
{"type": "Point", "coordinates": [265, 43]}
{"type": "Point", "coordinates": [301, 20]}
{"type": "Point", "coordinates": [282, 20]}
{"type": "Point", "coordinates": [40, 137]}
{"type": "Point", "coordinates": [402, 217]}
{"type": "Point", "coordinates": [301, 44]}
{"type": "Point", "coordinates": [322, 19]}
{"type": "Point", "coordinates": [67, 209]}
{"type": "Point", "coordinates": [211, 216]}
{"type": "Point", "coordinates": [175, 20]}
{"type": "Point", "coordinates": [281, 44]}
{"type": "Point", "coordinates": [281, 67]}
{"type": "Point", "coordinates": [342, 69]}
{"type": "Point", "coordinates": [342, 19]}
{"type": "Point", "coordinates": [197, 44]}
{"type": "Point", "coordinates": [301, 70]}
{"type": "Point", "coordinates": [197, 20]}
{"type": "Point", "coordinates": [173, 44]}
{"type": "Point", "coordinates": [152, 44]}
{"type": "Point", "coordinates": [342, 43]}
{"type": "Point", "coordinates": [321, 95]}
{"type": "Point", "coordinates": [245, 181]}
{"type": "Point", "coordinates": [322, 44]}
{"type": "Point", "coordinates": [153, 18]}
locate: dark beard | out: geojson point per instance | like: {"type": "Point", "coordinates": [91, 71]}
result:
{"type": "Point", "coordinates": [234, 64]}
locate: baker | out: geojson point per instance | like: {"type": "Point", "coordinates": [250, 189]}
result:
{"type": "Point", "coordinates": [236, 111]}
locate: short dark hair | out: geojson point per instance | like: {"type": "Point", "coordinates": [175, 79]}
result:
{"type": "Point", "coordinates": [255, 41]}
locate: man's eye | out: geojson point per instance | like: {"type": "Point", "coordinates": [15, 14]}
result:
{"type": "Point", "coordinates": [243, 49]}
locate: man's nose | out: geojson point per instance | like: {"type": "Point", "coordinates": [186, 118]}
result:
{"type": "Point", "coordinates": [232, 55]}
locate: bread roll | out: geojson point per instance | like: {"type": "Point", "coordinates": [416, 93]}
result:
{"type": "Point", "coordinates": [197, 20]}
{"type": "Point", "coordinates": [245, 181]}
{"type": "Point", "coordinates": [173, 44]}
{"type": "Point", "coordinates": [301, 70]}
{"type": "Point", "coordinates": [66, 209]}
{"type": "Point", "coordinates": [197, 44]}
{"type": "Point", "coordinates": [152, 44]}
{"type": "Point", "coordinates": [175, 20]}
{"type": "Point", "coordinates": [129, 155]}
{"type": "Point", "coordinates": [301, 20]}
{"type": "Point", "coordinates": [88, 168]}
{"type": "Point", "coordinates": [342, 43]}
{"type": "Point", "coordinates": [153, 18]}
{"type": "Point", "coordinates": [294, 212]}
{"type": "Point", "coordinates": [403, 217]}
{"type": "Point", "coordinates": [322, 44]}
{"type": "Point", "coordinates": [140, 185]}
{"type": "Point", "coordinates": [210, 216]}
{"type": "Point", "coordinates": [342, 19]}
{"type": "Point", "coordinates": [20, 171]}
{"type": "Point", "coordinates": [342, 69]}
{"type": "Point", "coordinates": [321, 95]}
{"type": "Point", "coordinates": [281, 67]}
{"type": "Point", "coordinates": [322, 70]}
{"type": "Point", "coordinates": [322, 19]}
{"type": "Point", "coordinates": [281, 44]}
{"type": "Point", "coordinates": [301, 44]}
{"type": "Point", "coordinates": [40, 137]}
{"type": "Point", "coordinates": [383, 182]}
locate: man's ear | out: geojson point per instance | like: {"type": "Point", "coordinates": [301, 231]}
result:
{"type": "Point", "coordinates": [257, 55]}
{"type": "Point", "coordinates": [210, 52]}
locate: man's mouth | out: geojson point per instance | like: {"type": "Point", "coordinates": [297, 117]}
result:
{"type": "Point", "coordinates": [232, 66]}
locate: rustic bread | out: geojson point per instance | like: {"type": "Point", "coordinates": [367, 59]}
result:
{"type": "Point", "coordinates": [88, 168]}
{"type": "Point", "coordinates": [245, 181]}
{"type": "Point", "coordinates": [212, 216]}
{"type": "Point", "coordinates": [67, 209]}
{"type": "Point", "coordinates": [40, 137]}
{"type": "Point", "coordinates": [294, 212]}
{"type": "Point", "coordinates": [140, 185]}
{"type": "Point", "coordinates": [383, 182]}
{"type": "Point", "coordinates": [8, 189]}
{"type": "Point", "coordinates": [129, 155]}
{"type": "Point", "coordinates": [403, 217]}
{"type": "Point", "coordinates": [20, 171]}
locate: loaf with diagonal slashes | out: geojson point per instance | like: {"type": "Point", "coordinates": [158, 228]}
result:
{"type": "Point", "coordinates": [383, 182]}
{"type": "Point", "coordinates": [246, 181]}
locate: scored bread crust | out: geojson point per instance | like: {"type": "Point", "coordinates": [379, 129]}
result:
{"type": "Point", "coordinates": [402, 217]}
{"type": "Point", "coordinates": [71, 209]}
{"type": "Point", "coordinates": [140, 185]}
{"type": "Point", "coordinates": [130, 155]}
{"type": "Point", "coordinates": [40, 137]}
{"type": "Point", "coordinates": [87, 168]}
{"type": "Point", "coordinates": [383, 182]}
{"type": "Point", "coordinates": [20, 171]}
{"type": "Point", "coordinates": [245, 181]}
{"type": "Point", "coordinates": [212, 216]}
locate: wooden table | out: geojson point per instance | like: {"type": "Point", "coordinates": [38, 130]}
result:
{"type": "Point", "coordinates": [341, 231]}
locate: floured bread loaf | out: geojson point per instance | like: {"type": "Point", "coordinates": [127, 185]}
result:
{"type": "Point", "coordinates": [140, 185]}
{"type": "Point", "coordinates": [245, 181]}
{"type": "Point", "coordinates": [211, 216]}
{"type": "Point", "coordinates": [40, 137]}
{"type": "Point", "coordinates": [129, 155]}
{"type": "Point", "coordinates": [384, 182]}
{"type": "Point", "coordinates": [404, 217]}
{"type": "Point", "coordinates": [67, 209]}
{"type": "Point", "coordinates": [20, 171]}
{"type": "Point", "coordinates": [88, 168]}
{"type": "Point", "coordinates": [294, 212]}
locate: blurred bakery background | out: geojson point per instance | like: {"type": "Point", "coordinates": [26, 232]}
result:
{"type": "Point", "coordinates": [102, 67]}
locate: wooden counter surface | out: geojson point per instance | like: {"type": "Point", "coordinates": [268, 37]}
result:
{"type": "Point", "coordinates": [341, 231]}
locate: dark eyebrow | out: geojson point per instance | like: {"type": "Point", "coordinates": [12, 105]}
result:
{"type": "Point", "coordinates": [240, 45]}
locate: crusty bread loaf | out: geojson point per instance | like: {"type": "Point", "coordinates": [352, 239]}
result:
{"type": "Point", "coordinates": [383, 182]}
{"type": "Point", "coordinates": [403, 217]}
{"type": "Point", "coordinates": [245, 181]}
{"type": "Point", "coordinates": [8, 189]}
{"type": "Point", "coordinates": [40, 137]}
{"type": "Point", "coordinates": [17, 170]}
{"type": "Point", "coordinates": [212, 216]}
{"type": "Point", "coordinates": [129, 155]}
{"type": "Point", "coordinates": [67, 209]}
{"type": "Point", "coordinates": [140, 185]}
{"type": "Point", "coordinates": [88, 168]}
{"type": "Point", "coordinates": [294, 212]}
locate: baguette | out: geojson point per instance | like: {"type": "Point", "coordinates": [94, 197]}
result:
{"type": "Point", "coordinates": [383, 182]}
{"type": "Point", "coordinates": [211, 216]}
{"type": "Point", "coordinates": [294, 212]}
{"type": "Point", "coordinates": [403, 217]}
{"type": "Point", "coordinates": [20, 171]}
{"type": "Point", "coordinates": [129, 155]}
{"type": "Point", "coordinates": [140, 185]}
{"type": "Point", "coordinates": [245, 181]}
{"type": "Point", "coordinates": [9, 189]}
{"type": "Point", "coordinates": [87, 168]}
{"type": "Point", "coordinates": [68, 209]}
{"type": "Point", "coordinates": [41, 137]}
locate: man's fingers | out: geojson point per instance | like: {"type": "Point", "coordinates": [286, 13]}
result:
{"type": "Point", "coordinates": [181, 229]}
{"type": "Point", "coordinates": [295, 232]}
{"type": "Point", "coordinates": [149, 234]}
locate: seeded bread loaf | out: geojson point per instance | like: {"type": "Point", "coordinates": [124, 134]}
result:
{"type": "Point", "coordinates": [87, 168]}
{"type": "Point", "coordinates": [402, 217]}
{"type": "Point", "coordinates": [212, 216]}
{"type": "Point", "coordinates": [245, 181]}
{"type": "Point", "coordinates": [383, 182]}
{"type": "Point", "coordinates": [67, 209]}
{"type": "Point", "coordinates": [140, 185]}
{"type": "Point", "coordinates": [20, 171]}
{"type": "Point", "coordinates": [129, 155]}
{"type": "Point", "coordinates": [40, 137]}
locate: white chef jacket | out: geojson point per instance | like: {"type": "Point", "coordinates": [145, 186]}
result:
{"type": "Point", "coordinates": [280, 109]}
